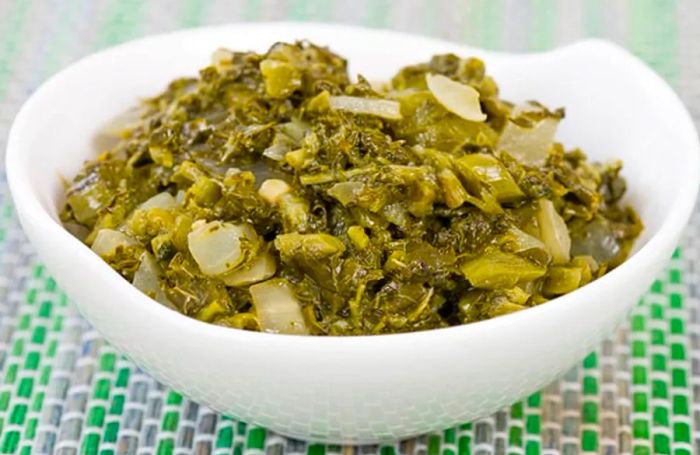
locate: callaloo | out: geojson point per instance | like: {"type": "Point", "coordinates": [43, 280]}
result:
{"type": "Point", "coordinates": [273, 193]}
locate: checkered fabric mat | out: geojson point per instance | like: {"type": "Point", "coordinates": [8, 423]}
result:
{"type": "Point", "coordinates": [64, 390]}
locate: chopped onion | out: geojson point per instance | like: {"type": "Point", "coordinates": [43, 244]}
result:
{"type": "Point", "coordinates": [597, 241]}
{"type": "Point", "coordinates": [521, 241]}
{"type": "Point", "coordinates": [220, 247]}
{"type": "Point", "coordinates": [221, 57]}
{"type": "Point", "coordinates": [123, 122]}
{"type": "Point", "coordinates": [277, 308]}
{"type": "Point", "coordinates": [162, 200]}
{"type": "Point", "coordinates": [108, 240]}
{"type": "Point", "coordinates": [287, 138]}
{"type": "Point", "coordinates": [261, 268]}
{"type": "Point", "coordinates": [525, 245]}
{"type": "Point", "coordinates": [180, 198]}
{"type": "Point", "coordinates": [388, 109]}
{"type": "Point", "coordinates": [277, 150]}
{"type": "Point", "coordinates": [554, 232]}
{"type": "Point", "coordinates": [295, 211]}
{"type": "Point", "coordinates": [460, 99]}
{"type": "Point", "coordinates": [346, 192]}
{"type": "Point", "coordinates": [529, 145]}
{"type": "Point", "coordinates": [147, 280]}
{"type": "Point", "coordinates": [273, 189]}
{"type": "Point", "coordinates": [295, 129]}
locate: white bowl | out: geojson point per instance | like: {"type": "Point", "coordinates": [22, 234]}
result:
{"type": "Point", "coordinates": [361, 389]}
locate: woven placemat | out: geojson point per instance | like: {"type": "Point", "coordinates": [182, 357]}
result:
{"type": "Point", "coordinates": [64, 390]}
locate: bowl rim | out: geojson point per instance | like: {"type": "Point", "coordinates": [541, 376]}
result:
{"type": "Point", "coordinates": [31, 210]}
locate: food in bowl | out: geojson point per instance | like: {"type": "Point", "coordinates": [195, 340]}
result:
{"type": "Point", "coordinates": [273, 193]}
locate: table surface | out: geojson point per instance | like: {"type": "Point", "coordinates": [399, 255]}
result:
{"type": "Point", "coordinates": [64, 390]}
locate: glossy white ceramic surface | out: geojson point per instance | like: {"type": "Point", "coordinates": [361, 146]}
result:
{"type": "Point", "coordinates": [361, 389]}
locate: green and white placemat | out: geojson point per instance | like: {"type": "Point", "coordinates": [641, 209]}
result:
{"type": "Point", "coordinates": [64, 390]}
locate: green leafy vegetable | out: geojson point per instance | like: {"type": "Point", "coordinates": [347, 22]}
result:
{"type": "Point", "coordinates": [272, 193]}
{"type": "Point", "coordinates": [495, 270]}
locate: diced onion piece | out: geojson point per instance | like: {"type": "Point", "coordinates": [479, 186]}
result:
{"type": "Point", "coordinates": [598, 241]}
{"type": "Point", "coordinates": [108, 240]}
{"type": "Point", "coordinates": [162, 200]}
{"type": "Point", "coordinates": [522, 242]}
{"type": "Point", "coordinates": [146, 279]}
{"type": "Point", "coordinates": [296, 129]}
{"type": "Point", "coordinates": [554, 232]}
{"type": "Point", "coordinates": [123, 122]}
{"type": "Point", "coordinates": [276, 151]}
{"type": "Point", "coordinates": [346, 192]}
{"type": "Point", "coordinates": [388, 109]}
{"type": "Point", "coordinates": [220, 247]}
{"type": "Point", "coordinates": [287, 137]}
{"type": "Point", "coordinates": [529, 145]}
{"type": "Point", "coordinates": [460, 99]}
{"type": "Point", "coordinates": [221, 57]}
{"type": "Point", "coordinates": [261, 268]}
{"type": "Point", "coordinates": [277, 308]}
{"type": "Point", "coordinates": [180, 198]}
{"type": "Point", "coordinates": [273, 189]}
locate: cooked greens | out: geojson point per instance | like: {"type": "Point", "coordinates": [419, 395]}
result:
{"type": "Point", "coordinates": [273, 193]}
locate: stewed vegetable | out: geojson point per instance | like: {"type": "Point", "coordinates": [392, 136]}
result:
{"type": "Point", "coordinates": [273, 193]}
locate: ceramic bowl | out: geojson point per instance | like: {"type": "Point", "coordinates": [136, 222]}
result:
{"type": "Point", "coordinates": [370, 388]}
